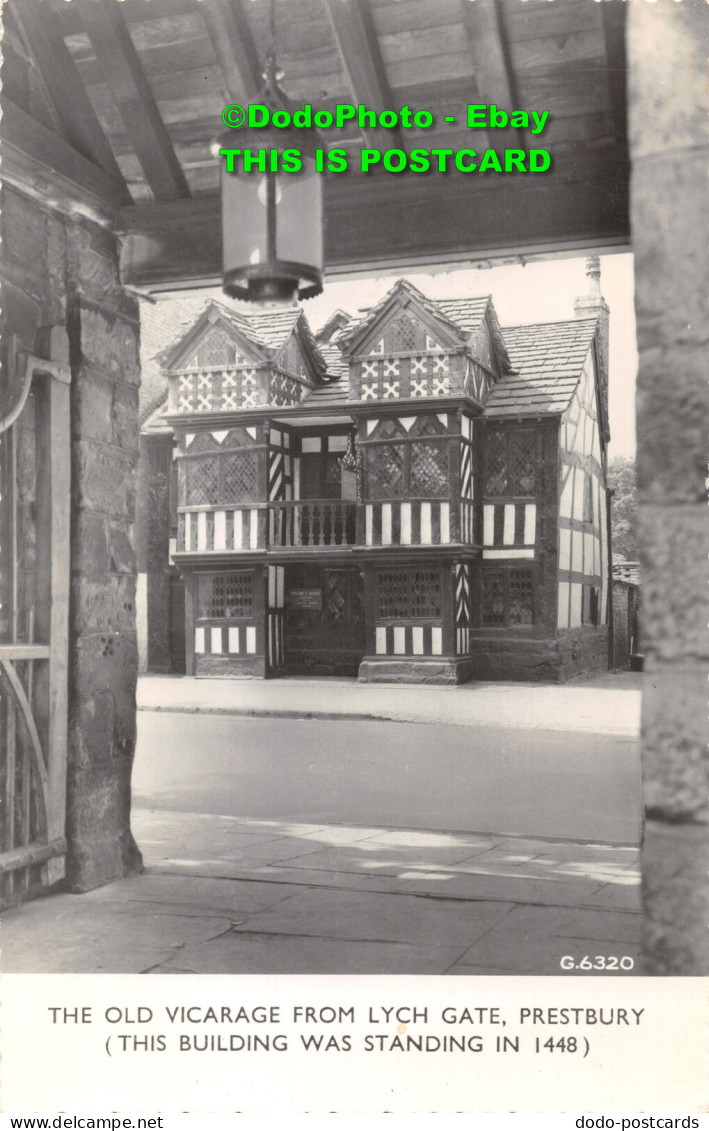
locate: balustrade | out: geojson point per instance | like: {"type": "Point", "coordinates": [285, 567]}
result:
{"type": "Point", "coordinates": [313, 523]}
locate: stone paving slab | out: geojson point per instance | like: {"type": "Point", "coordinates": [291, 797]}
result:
{"type": "Point", "coordinates": [73, 934]}
{"type": "Point", "coordinates": [225, 895]}
{"type": "Point", "coordinates": [246, 953]}
{"type": "Point", "coordinates": [326, 913]}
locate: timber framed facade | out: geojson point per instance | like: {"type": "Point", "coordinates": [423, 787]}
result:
{"type": "Point", "coordinates": [414, 496]}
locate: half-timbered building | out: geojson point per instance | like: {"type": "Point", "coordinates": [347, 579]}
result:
{"type": "Point", "coordinates": [419, 495]}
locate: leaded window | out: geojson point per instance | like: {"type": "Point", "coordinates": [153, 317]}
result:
{"type": "Point", "coordinates": [201, 481]}
{"type": "Point", "coordinates": [506, 596]}
{"type": "Point", "coordinates": [429, 469]}
{"type": "Point", "coordinates": [520, 582]}
{"type": "Point", "coordinates": [510, 462]}
{"type": "Point", "coordinates": [493, 598]}
{"type": "Point", "coordinates": [385, 471]}
{"type": "Point", "coordinates": [225, 596]}
{"type": "Point", "coordinates": [412, 467]}
{"type": "Point", "coordinates": [229, 478]}
{"type": "Point", "coordinates": [408, 595]}
{"type": "Point", "coordinates": [239, 478]}
{"type": "Point", "coordinates": [402, 334]}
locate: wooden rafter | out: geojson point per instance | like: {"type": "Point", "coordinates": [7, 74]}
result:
{"type": "Point", "coordinates": [358, 46]}
{"type": "Point", "coordinates": [613, 17]}
{"type": "Point", "coordinates": [29, 149]}
{"type": "Point", "coordinates": [488, 48]}
{"type": "Point", "coordinates": [234, 47]}
{"type": "Point", "coordinates": [75, 115]}
{"type": "Point", "coordinates": [124, 74]}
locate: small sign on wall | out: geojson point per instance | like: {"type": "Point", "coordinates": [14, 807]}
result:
{"type": "Point", "coordinates": [305, 599]}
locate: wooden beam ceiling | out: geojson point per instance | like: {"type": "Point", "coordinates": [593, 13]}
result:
{"type": "Point", "coordinates": [488, 47]}
{"type": "Point", "coordinates": [234, 47]}
{"type": "Point", "coordinates": [357, 43]}
{"type": "Point", "coordinates": [75, 115]}
{"type": "Point", "coordinates": [37, 160]}
{"type": "Point", "coordinates": [124, 75]}
{"type": "Point", "coordinates": [370, 222]}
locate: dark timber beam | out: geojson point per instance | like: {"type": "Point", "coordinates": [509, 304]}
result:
{"type": "Point", "coordinates": [358, 45]}
{"type": "Point", "coordinates": [613, 17]}
{"type": "Point", "coordinates": [39, 162]}
{"type": "Point", "coordinates": [490, 55]}
{"type": "Point", "coordinates": [124, 75]}
{"type": "Point", "coordinates": [234, 47]}
{"type": "Point", "coordinates": [75, 115]}
{"type": "Point", "coordinates": [378, 223]}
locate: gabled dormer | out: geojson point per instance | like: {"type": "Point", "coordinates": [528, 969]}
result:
{"type": "Point", "coordinates": [409, 346]}
{"type": "Point", "coordinates": [227, 361]}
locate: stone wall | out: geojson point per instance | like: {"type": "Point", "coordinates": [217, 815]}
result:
{"type": "Point", "coordinates": [669, 143]}
{"type": "Point", "coordinates": [63, 272]}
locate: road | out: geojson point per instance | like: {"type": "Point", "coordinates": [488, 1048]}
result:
{"type": "Point", "coordinates": [575, 786]}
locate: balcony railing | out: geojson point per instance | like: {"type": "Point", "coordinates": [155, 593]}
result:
{"type": "Point", "coordinates": [313, 523]}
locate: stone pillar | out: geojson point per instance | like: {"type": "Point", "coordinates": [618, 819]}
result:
{"type": "Point", "coordinates": [104, 655]}
{"type": "Point", "coordinates": [669, 147]}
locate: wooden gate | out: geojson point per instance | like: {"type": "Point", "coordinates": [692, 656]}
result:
{"type": "Point", "coordinates": [34, 607]}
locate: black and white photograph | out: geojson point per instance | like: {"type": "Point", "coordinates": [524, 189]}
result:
{"type": "Point", "coordinates": [353, 553]}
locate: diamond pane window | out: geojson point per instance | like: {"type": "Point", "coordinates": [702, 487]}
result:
{"type": "Point", "coordinates": [429, 469]}
{"type": "Point", "coordinates": [392, 595]}
{"type": "Point", "coordinates": [493, 597]}
{"type": "Point", "coordinates": [402, 334]}
{"type": "Point", "coordinates": [333, 474]}
{"type": "Point", "coordinates": [520, 581]}
{"type": "Point", "coordinates": [425, 594]}
{"type": "Point", "coordinates": [202, 481]}
{"type": "Point", "coordinates": [385, 471]}
{"type": "Point", "coordinates": [523, 462]}
{"type": "Point", "coordinates": [496, 464]}
{"type": "Point", "coordinates": [240, 478]}
{"type": "Point", "coordinates": [225, 596]}
{"type": "Point", "coordinates": [217, 350]}
{"type": "Point", "coordinates": [409, 595]}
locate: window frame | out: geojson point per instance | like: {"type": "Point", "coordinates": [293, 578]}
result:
{"type": "Point", "coordinates": [505, 571]}
{"type": "Point", "coordinates": [511, 475]}
{"type": "Point", "coordinates": [408, 442]}
{"type": "Point", "coordinates": [409, 615]}
{"type": "Point", "coordinates": [207, 618]}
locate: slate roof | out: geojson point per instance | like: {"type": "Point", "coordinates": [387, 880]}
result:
{"type": "Point", "coordinates": [161, 321]}
{"type": "Point", "coordinates": [357, 326]}
{"type": "Point", "coordinates": [548, 359]}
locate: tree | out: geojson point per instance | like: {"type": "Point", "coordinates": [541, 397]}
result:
{"type": "Point", "coordinates": [624, 506]}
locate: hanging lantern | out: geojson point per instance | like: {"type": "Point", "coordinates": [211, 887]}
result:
{"type": "Point", "coordinates": [272, 221]}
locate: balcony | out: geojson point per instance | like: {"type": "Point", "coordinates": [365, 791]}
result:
{"type": "Point", "coordinates": [311, 523]}
{"type": "Point", "coordinates": [324, 524]}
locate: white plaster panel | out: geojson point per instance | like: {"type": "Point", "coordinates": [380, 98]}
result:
{"type": "Point", "coordinates": [564, 549]}
{"type": "Point", "coordinates": [399, 640]}
{"type": "Point", "coordinates": [576, 597]}
{"type": "Point", "coordinates": [381, 641]}
{"type": "Point", "coordinates": [488, 525]}
{"type": "Point", "coordinates": [563, 612]}
{"type": "Point", "coordinates": [437, 640]}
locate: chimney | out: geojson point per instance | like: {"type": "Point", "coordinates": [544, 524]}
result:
{"type": "Point", "coordinates": [593, 305]}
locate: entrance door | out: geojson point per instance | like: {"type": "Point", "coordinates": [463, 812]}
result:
{"type": "Point", "coordinates": [324, 620]}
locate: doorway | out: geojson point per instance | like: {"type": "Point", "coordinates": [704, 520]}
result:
{"type": "Point", "coordinates": [324, 620]}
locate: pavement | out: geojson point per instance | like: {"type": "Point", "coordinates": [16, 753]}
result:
{"type": "Point", "coordinates": [225, 894]}
{"type": "Point", "coordinates": [605, 704]}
